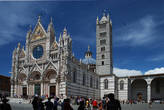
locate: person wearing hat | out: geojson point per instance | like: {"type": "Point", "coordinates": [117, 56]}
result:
{"type": "Point", "coordinates": [5, 105]}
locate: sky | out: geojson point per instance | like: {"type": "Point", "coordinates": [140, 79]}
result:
{"type": "Point", "coordinates": [137, 25]}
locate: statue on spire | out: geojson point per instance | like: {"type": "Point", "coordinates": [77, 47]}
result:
{"type": "Point", "coordinates": [39, 18]}
{"type": "Point", "coordinates": [88, 48]}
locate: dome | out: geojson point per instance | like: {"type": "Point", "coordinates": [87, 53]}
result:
{"type": "Point", "coordinates": [89, 61]}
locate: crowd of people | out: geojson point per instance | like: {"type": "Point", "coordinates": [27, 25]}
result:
{"type": "Point", "coordinates": [107, 103]}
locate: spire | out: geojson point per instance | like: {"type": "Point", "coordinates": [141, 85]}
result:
{"type": "Point", "coordinates": [65, 30]}
{"type": "Point", "coordinates": [104, 18]}
{"type": "Point", "coordinates": [97, 21]}
{"type": "Point", "coordinates": [23, 48]}
{"type": "Point", "coordinates": [19, 45]}
{"type": "Point", "coordinates": [39, 18]}
{"type": "Point", "coordinates": [50, 26]}
{"type": "Point", "coordinates": [60, 38]}
{"type": "Point", "coordinates": [108, 17]}
{"type": "Point", "coordinates": [88, 54]}
{"type": "Point", "coordinates": [51, 20]}
{"type": "Point", "coordinates": [88, 48]}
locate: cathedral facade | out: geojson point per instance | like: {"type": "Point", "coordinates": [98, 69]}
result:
{"type": "Point", "coordinates": [47, 67]}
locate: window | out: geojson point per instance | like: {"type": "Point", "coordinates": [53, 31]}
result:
{"type": "Point", "coordinates": [84, 78]}
{"type": "Point", "coordinates": [103, 34]}
{"type": "Point", "coordinates": [102, 48]}
{"type": "Point", "coordinates": [102, 62]}
{"type": "Point", "coordinates": [38, 52]}
{"type": "Point", "coordinates": [91, 85]}
{"type": "Point", "coordinates": [102, 42]}
{"type": "Point", "coordinates": [74, 77]}
{"type": "Point", "coordinates": [121, 85]}
{"type": "Point", "coordinates": [105, 84]}
{"type": "Point", "coordinates": [102, 25]}
{"type": "Point", "coordinates": [37, 77]}
{"type": "Point", "coordinates": [103, 56]}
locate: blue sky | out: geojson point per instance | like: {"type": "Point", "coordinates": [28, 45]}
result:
{"type": "Point", "coordinates": [138, 36]}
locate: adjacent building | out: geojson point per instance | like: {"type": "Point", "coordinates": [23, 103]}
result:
{"type": "Point", "coordinates": [4, 85]}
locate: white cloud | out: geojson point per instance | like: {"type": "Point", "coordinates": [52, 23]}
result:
{"type": "Point", "coordinates": [126, 72]}
{"type": "Point", "coordinates": [138, 33]}
{"type": "Point", "coordinates": [155, 71]}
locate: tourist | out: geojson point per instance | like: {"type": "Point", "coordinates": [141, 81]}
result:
{"type": "Point", "coordinates": [55, 103]}
{"type": "Point", "coordinates": [81, 106]}
{"type": "Point", "coordinates": [113, 104]}
{"type": "Point", "coordinates": [5, 105]}
{"type": "Point", "coordinates": [35, 103]}
{"type": "Point", "coordinates": [49, 104]}
{"type": "Point", "coordinates": [94, 104]}
{"type": "Point", "coordinates": [150, 104]}
{"type": "Point", "coordinates": [104, 103]}
{"type": "Point", "coordinates": [66, 105]}
{"type": "Point", "coordinates": [100, 105]}
{"type": "Point", "coordinates": [40, 104]}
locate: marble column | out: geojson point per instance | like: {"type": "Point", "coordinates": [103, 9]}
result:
{"type": "Point", "coordinates": [148, 92]}
{"type": "Point", "coordinates": [41, 89]}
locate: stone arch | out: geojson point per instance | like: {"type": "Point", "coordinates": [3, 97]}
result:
{"type": "Point", "coordinates": [157, 88]}
{"type": "Point", "coordinates": [50, 75]}
{"type": "Point", "coordinates": [21, 77]}
{"type": "Point", "coordinates": [35, 75]}
{"type": "Point", "coordinates": [139, 90]}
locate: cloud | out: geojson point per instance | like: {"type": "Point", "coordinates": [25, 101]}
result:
{"type": "Point", "coordinates": [15, 19]}
{"type": "Point", "coordinates": [138, 33]}
{"type": "Point", "coordinates": [155, 71]}
{"type": "Point", "coordinates": [126, 72]}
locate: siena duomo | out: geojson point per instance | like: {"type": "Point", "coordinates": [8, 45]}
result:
{"type": "Point", "coordinates": [48, 67]}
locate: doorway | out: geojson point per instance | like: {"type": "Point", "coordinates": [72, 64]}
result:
{"type": "Point", "coordinates": [52, 91]}
{"type": "Point", "coordinates": [37, 89]}
{"type": "Point", "coordinates": [24, 91]}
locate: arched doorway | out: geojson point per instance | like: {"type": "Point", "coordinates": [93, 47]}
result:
{"type": "Point", "coordinates": [35, 80]}
{"type": "Point", "coordinates": [157, 88]}
{"type": "Point", "coordinates": [22, 84]}
{"type": "Point", "coordinates": [50, 82]}
{"type": "Point", "coordinates": [139, 90]}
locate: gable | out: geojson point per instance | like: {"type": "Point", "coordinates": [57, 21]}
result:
{"type": "Point", "coordinates": [38, 33]}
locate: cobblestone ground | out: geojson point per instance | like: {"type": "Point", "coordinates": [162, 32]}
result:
{"type": "Point", "coordinates": [124, 107]}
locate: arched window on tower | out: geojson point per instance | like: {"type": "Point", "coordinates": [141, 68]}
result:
{"type": "Point", "coordinates": [106, 84]}
{"type": "Point", "coordinates": [103, 56]}
{"type": "Point", "coordinates": [121, 85]}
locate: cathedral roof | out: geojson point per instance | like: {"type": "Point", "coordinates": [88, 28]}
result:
{"type": "Point", "coordinates": [88, 57]}
{"type": "Point", "coordinates": [89, 61]}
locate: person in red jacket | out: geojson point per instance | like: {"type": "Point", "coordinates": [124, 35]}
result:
{"type": "Point", "coordinates": [94, 104]}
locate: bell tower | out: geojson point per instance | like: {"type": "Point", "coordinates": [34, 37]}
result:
{"type": "Point", "coordinates": [104, 63]}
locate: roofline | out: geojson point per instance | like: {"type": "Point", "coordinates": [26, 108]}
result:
{"type": "Point", "coordinates": [4, 76]}
{"type": "Point", "coordinates": [144, 75]}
